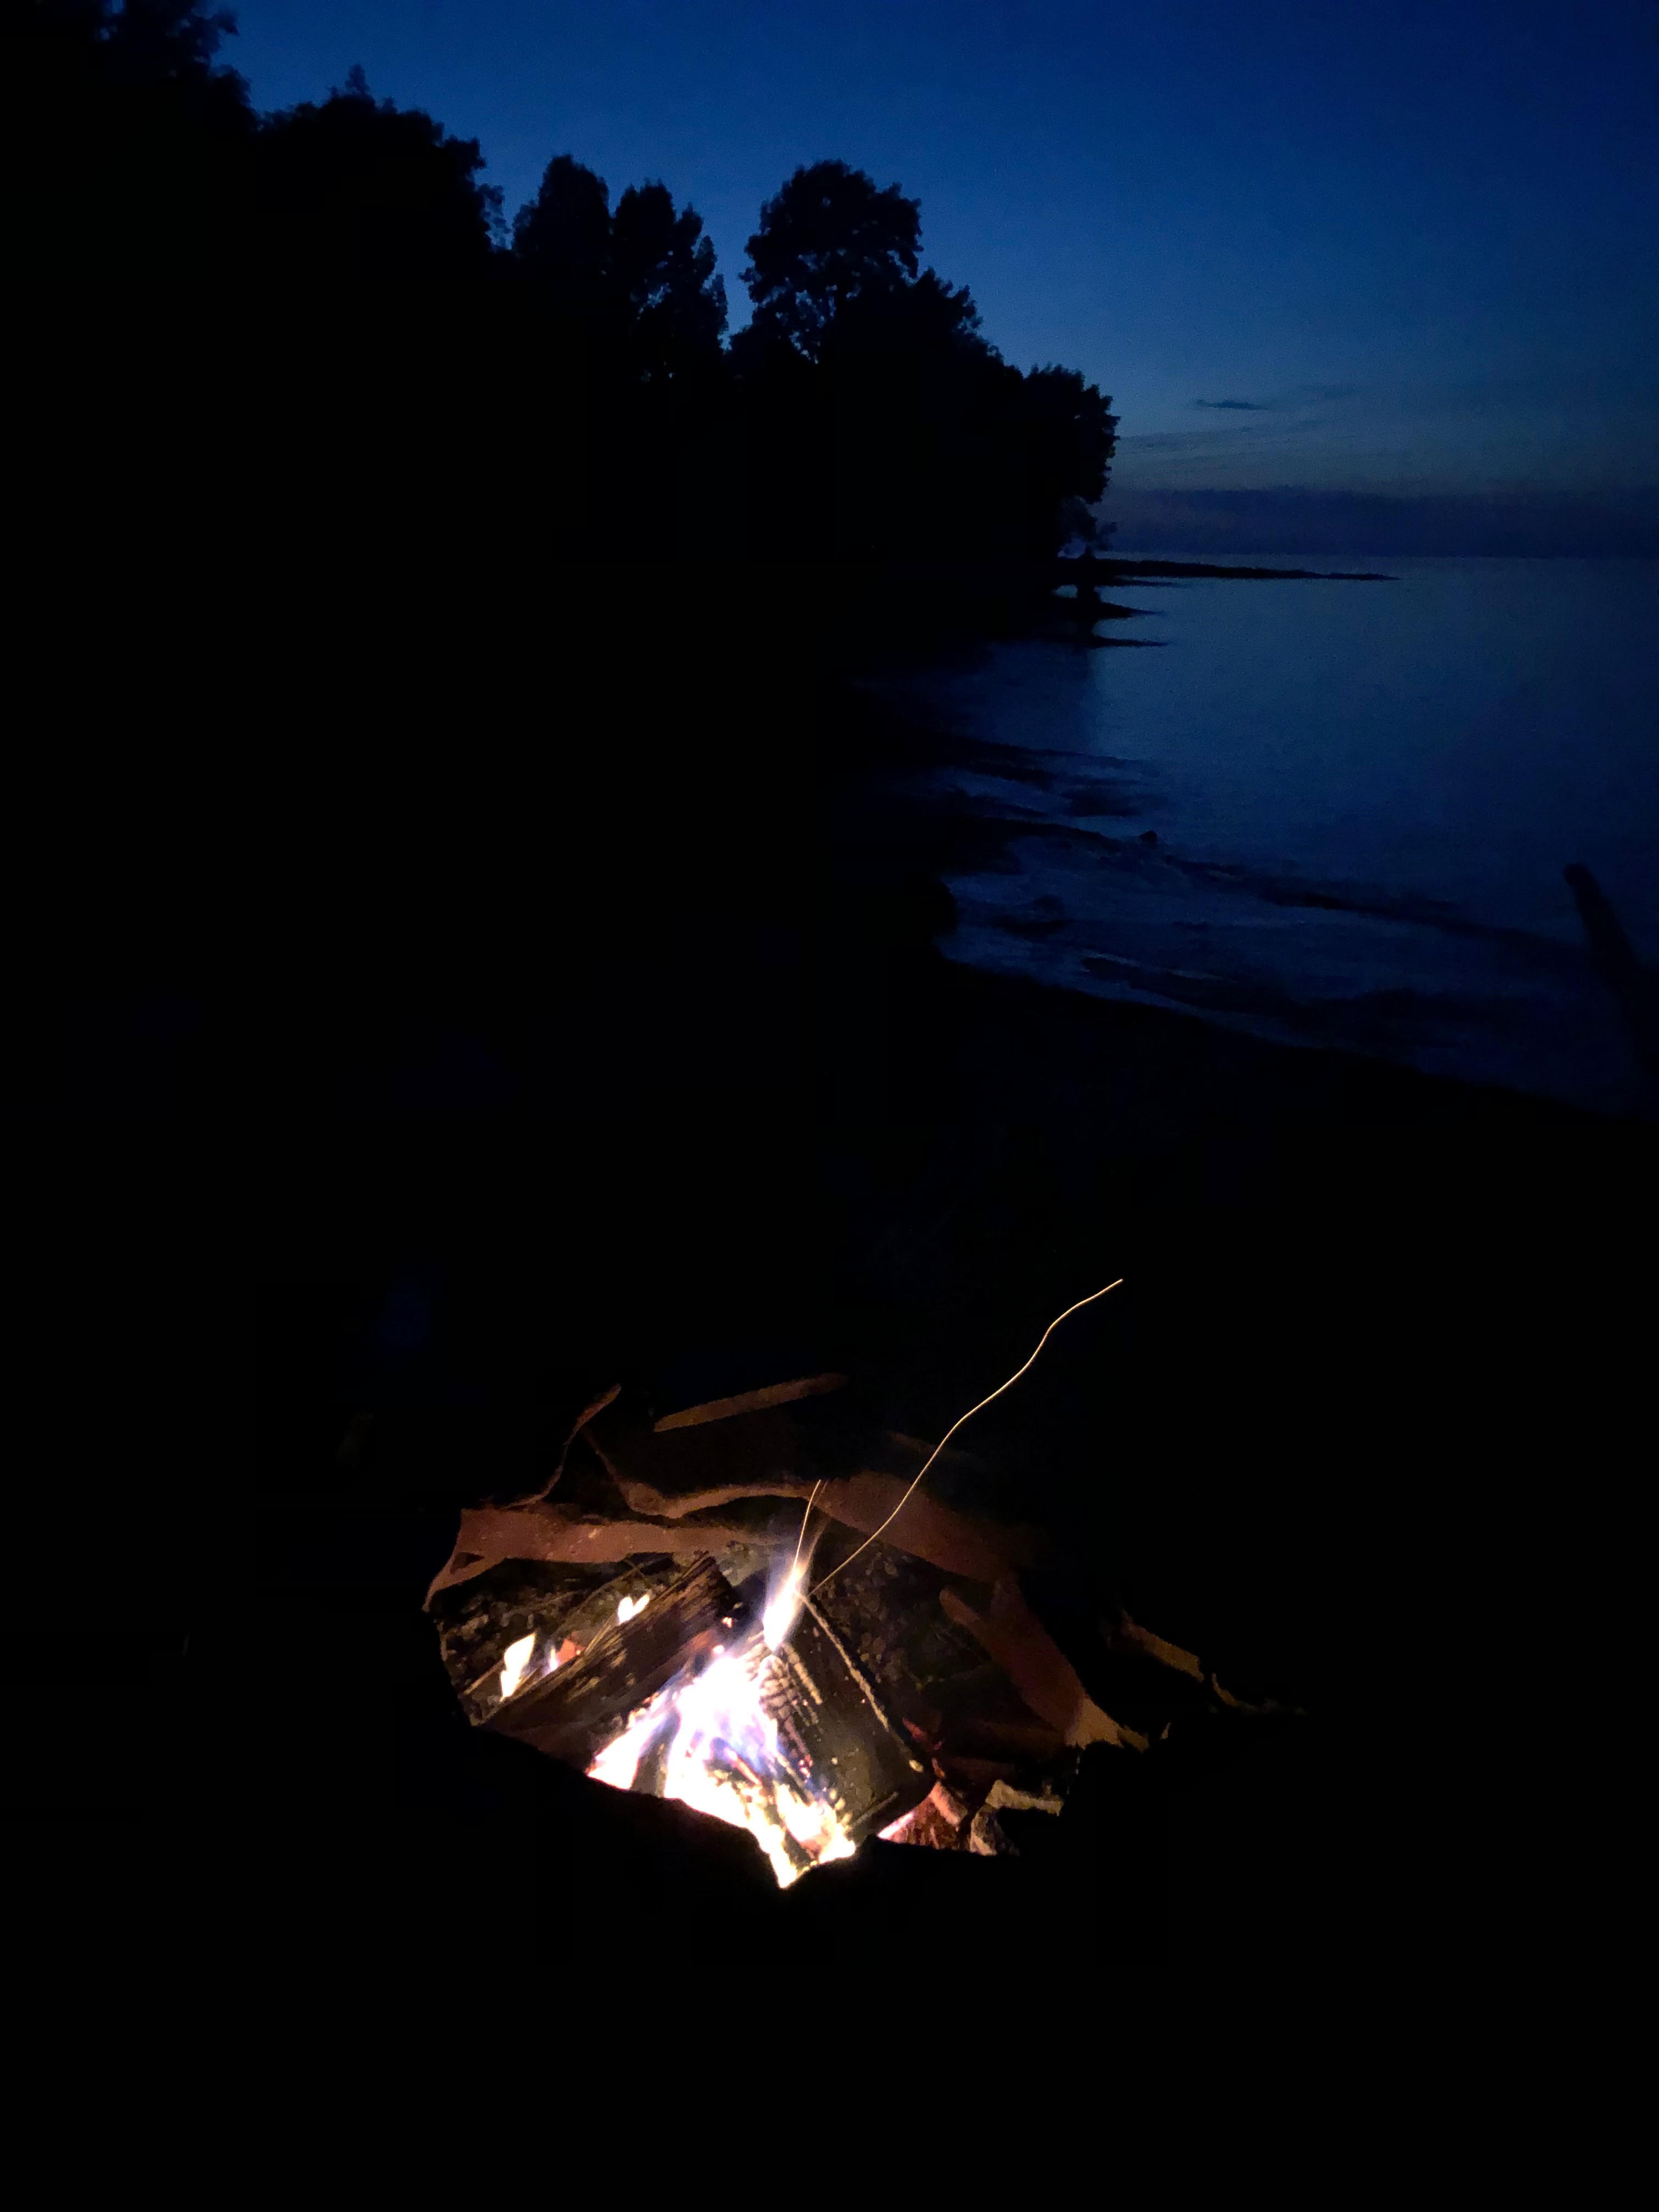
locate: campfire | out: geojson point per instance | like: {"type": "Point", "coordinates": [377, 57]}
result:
{"type": "Point", "coordinates": [736, 1739]}
{"type": "Point", "coordinates": [740, 1701]}
{"type": "Point", "coordinates": [716, 1608]}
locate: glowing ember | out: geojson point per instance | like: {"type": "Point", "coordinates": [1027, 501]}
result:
{"type": "Point", "coordinates": [716, 1747]}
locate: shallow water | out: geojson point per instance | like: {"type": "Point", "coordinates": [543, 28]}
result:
{"type": "Point", "coordinates": [1361, 794]}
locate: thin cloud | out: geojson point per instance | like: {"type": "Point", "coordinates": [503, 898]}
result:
{"type": "Point", "coordinates": [1238, 406]}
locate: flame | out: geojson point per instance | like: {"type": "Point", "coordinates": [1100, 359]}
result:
{"type": "Point", "coordinates": [720, 1754]}
{"type": "Point", "coordinates": [631, 1605]}
{"type": "Point", "coordinates": [516, 1669]}
{"type": "Point", "coordinates": [782, 1607]}
{"type": "Point", "coordinates": [515, 1660]}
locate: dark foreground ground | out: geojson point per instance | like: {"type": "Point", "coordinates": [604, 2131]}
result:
{"type": "Point", "coordinates": [409, 1027]}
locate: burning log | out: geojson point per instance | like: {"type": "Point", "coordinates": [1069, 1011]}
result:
{"type": "Point", "coordinates": [841, 1737]}
{"type": "Point", "coordinates": [572, 1713]}
{"type": "Point", "coordinates": [682, 1696]}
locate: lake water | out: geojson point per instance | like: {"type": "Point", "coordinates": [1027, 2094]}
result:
{"type": "Point", "coordinates": [1361, 796]}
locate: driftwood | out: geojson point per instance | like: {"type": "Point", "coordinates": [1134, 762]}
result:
{"type": "Point", "coordinates": [979, 1551]}
{"type": "Point", "coordinates": [491, 1534]}
{"type": "Point", "coordinates": [665, 1480]}
{"type": "Point", "coordinates": [1119, 1633]}
{"type": "Point", "coordinates": [573, 1713]}
{"type": "Point", "coordinates": [751, 1401]}
{"type": "Point", "coordinates": [1038, 1668]}
{"type": "Point", "coordinates": [668, 1476]}
{"type": "Point", "coordinates": [595, 1406]}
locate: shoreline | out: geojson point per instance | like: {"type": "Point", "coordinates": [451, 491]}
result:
{"type": "Point", "coordinates": [1467, 971]}
{"type": "Point", "coordinates": [1119, 569]}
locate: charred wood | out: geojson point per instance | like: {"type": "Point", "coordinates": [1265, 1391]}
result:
{"type": "Point", "coordinates": [839, 1738]}
{"type": "Point", "coordinates": [572, 1713]}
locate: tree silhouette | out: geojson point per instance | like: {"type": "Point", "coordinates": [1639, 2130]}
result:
{"type": "Point", "coordinates": [877, 415]}
{"type": "Point", "coordinates": [1069, 437]}
{"type": "Point", "coordinates": [356, 191]}
{"type": "Point", "coordinates": [341, 265]}
{"type": "Point", "coordinates": [639, 286]}
{"type": "Point", "coordinates": [561, 241]}
{"type": "Point", "coordinates": [830, 238]}
{"type": "Point", "coordinates": [664, 272]}
{"type": "Point", "coordinates": [127, 140]}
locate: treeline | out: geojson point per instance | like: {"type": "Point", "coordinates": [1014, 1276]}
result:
{"type": "Point", "coordinates": [234, 314]}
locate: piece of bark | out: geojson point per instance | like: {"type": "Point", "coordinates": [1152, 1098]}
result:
{"type": "Point", "coordinates": [753, 1454]}
{"type": "Point", "coordinates": [938, 1824]}
{"type": "Point", "coordinates": [762, 1455]}
{"type": "Point", "coordinates": [491, 1534]}
{"type": "Point", "coordinates": [1267, 1706]}
{"type": "Point", "coordinates": [750, 1401]}
{"type": "Point", "coordinates": [988, 1839]}
{"type": "Point", "coordinates": [572, 1713]}
{"type": "Point", "coordinates": [978, 1550]}
{"type": "Point", "coordinates": [1122, 1634]}
{"type": "Point", "coordinates": [598, 1406]}
{"type": "Point", "coordinates": [1005, 1797]}
{"type": "Point", "coordinates": [666, 1505]}
{"type": "Point", "coordinates": [1038, 1668]}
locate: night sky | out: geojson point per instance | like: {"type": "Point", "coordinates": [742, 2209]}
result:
{"type": "Point", "coordinates": [1302, 242]}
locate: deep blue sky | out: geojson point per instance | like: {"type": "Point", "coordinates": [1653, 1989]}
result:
{"type": "Point", "coordinates": [1321, 243]}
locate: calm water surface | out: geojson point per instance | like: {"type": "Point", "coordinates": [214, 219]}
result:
{"type": "Point", "coordinates": [1361, 796]}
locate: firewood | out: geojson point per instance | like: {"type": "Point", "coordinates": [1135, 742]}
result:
{"type": "Point", "coordinates": [939, 1823]}
{"type": "Point", "coordinates": [572, 1713]}
{"type": "Point", "coordinates": [1119, 1633]}
{"type": "Point", "coordinates": [491, 1533]}
{"type": "Point", "coordinates": [594, 1405]}
{"type": "Point", "coordinates": [1039, 1670]}
{"type": "Point", "coordinates": [750, 1455]}
{"type": "Point", "coordinates": [979, 1551]}
{"type": "Point", "coordinates": [764, 1454]}
{"type": "Point", "coordinates": [987, 1838]}
{"type": "Point", "coordinates": [837, 1731]}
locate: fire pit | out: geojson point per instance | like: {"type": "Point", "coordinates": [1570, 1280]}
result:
{"type": "Point", "coordinates": [675, 1622]}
